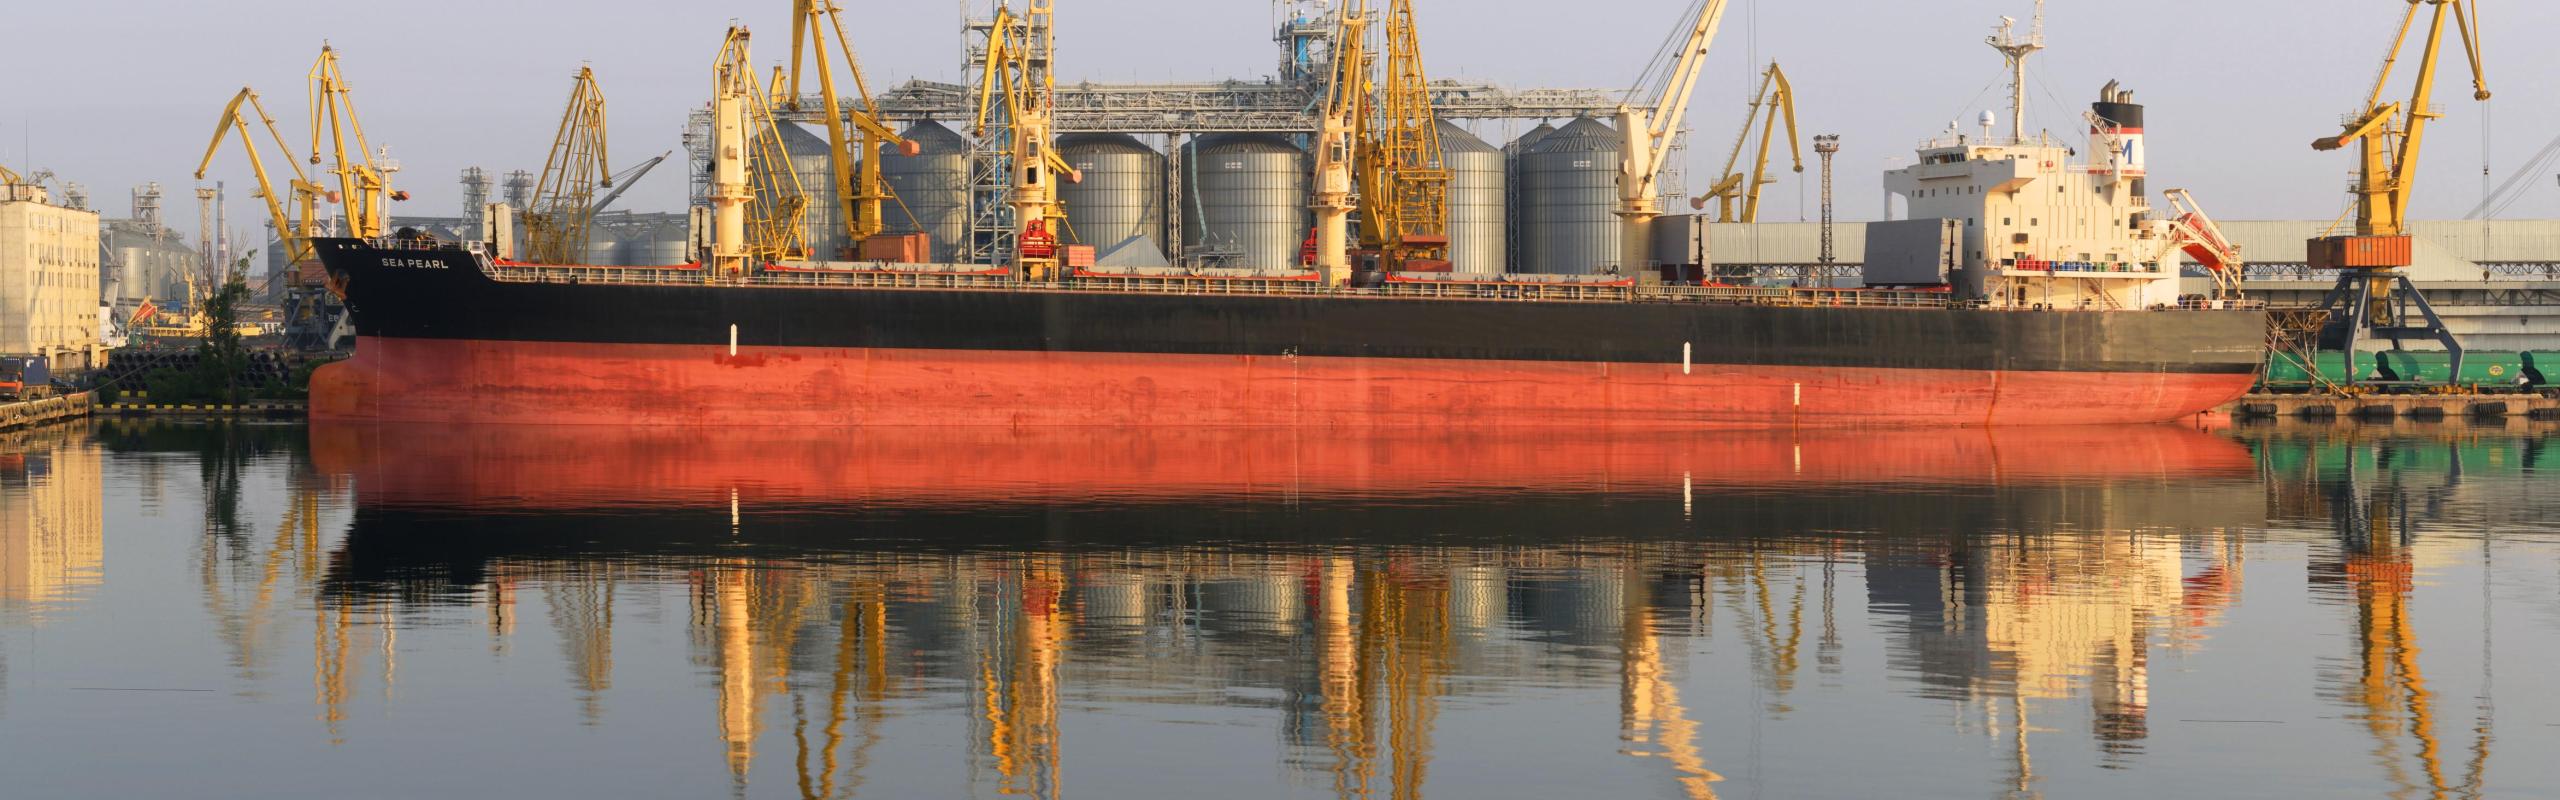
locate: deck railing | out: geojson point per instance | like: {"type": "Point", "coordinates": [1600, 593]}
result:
{"type": "Point", "coordinates": [1523, 290]}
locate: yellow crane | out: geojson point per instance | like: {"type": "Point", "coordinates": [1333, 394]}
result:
{"type": "Point", "coordinates": [1404, 187]}
{"type": "Point", "coordinates": [862, 196]}
{"type": "Point", "coordinates": [1019, 86]}
{"type": "Point", "coordinates": [2373, 295]}
{"type": "Point", "coordinates": [1776, 101]}
{"type": "Point", "coordinates": [364, 184]}
{"type": "Point", "coordinates": [1338, 136]}
{"type": "Point", "coordinates": [557, 226]}
{"type": "Point", "coordinates": [1648, 127]}
{"type": "Point", "coordinates": [15, 187]}
{"type": "Point", "coordinates": [293, 231]}
{"type": "Point", "coordinates": [757, 202]}
{"type": "Point", "coordinates": [2389, 137]}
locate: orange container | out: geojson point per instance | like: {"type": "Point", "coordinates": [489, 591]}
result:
{"type": "Point", "coordinates": [912, 248]}
{"type": "Point", "coordinates": [1077, 255]}
{"type": "Point", "coordinates": [2362, 252]}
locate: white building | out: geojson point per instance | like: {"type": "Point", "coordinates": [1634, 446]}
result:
{"type": "Point", "coordinates": [48, 280]}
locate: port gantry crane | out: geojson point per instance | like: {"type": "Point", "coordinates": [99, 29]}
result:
{"type": "Point", "coordinates": [1776, 98]}
{"type": "Point", "coordinates": [1379, 150]}
{"type": "Point", "coordinates": [1404, 185]}
{"type": "Point", "coordinates": [757, 203]}
{"type": "Point", "coordinates": [1650, 126]}
{"type": "Point", "coordinates": [862, 196]}
{"type": "Point", "coordinates": [556, 228]}
{"type": "Point", "coordinates": [1017, 100]}
{"type": "Point", "coordinates": [294, 231]}
{"type": "Point", "coordinates": [2373, 295]}
{"type": "Point", "coordinates": [364, 180]}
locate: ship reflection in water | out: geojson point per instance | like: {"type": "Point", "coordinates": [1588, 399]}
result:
{"type": "Point", "coordinates": [1295, 613]}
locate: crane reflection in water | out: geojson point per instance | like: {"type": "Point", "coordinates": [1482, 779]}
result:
{"type": "Point", "coordinates": [1351, 596]}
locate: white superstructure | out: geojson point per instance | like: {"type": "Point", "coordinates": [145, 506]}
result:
{"type": "Point", "coordinates": [2040, 222]}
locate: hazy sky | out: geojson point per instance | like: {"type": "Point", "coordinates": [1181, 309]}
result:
{"type": "Point", "coordinates": [115, 94]}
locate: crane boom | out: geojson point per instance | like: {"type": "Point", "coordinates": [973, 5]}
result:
{"type": "Point", "coordinates": [1647, 129]}
{"type": "Point", "coordinates": [556, 227]}
{"type": "Point", "coordinates": [1404, 194]}
{"type": "Point", "coordinates": [295, 236]}
{"type": "Point", "coordinates": [364, 184]}
{"type": "Point", "coordinates": [1777, 97]}
{"type": "Point", "coordinates": [621, 182]}
{"type": "Point", "coordinates": [860, 189]}
{"type": "Point", "coordinates": [2391, 136]}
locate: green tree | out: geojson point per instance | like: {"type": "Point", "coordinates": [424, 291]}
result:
{"type": "Point", "coordinates": [223, 359]}
{"type": "Point", "coordinates": [221, 372]}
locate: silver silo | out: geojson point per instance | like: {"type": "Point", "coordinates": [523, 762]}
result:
{"type": "Point", "coordinates": [1569, 200]}
{"type": "Point", "coordinates": [932, 188]}
{"type": "Point", "coordinates": [1119, 207]}
{"type": "Point", "coordinates": [603, 250]}
{"type": "Point", "coordinates": [1245, 195]}
{"type": "Point", "coordinates": [808, 151]}
{"type": "Point", "coordinates": [1476, 197]}
{"type": "Point", "coordinates": [1515, 212]}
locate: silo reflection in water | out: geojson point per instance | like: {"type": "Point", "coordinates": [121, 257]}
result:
{"type": "Point", "coordinates": [1264, 604]}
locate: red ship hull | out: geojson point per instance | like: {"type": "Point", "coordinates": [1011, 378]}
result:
{"type": "Point", "coordinates": [468, 381]}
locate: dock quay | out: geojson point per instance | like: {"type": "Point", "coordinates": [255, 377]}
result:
{"type": "Point", "coordinates": [30, 413]}
{"type": "Point", "coordinates": [269, 409]}
{"type": "Point", "coordinates": [2538, 407]}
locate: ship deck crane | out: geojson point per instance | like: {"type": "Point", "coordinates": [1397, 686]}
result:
{"type": "Point", "coordinates": [1019, 86]}
{"type": "Point", "coordinates": [2193, 232]}
{"type": "Point", "coordinates": [1649, 126]}
{"type": "Point", "coordinates": [1404, 187]}
{"type": "Point", "coordinates": [2372, 292]}
{"type": "Point", "coordinates": [860, 190]}
{"type": "Point", "coordinates": [1337, 140]}
{"type": "Point", "coordinates": [757, 202]}
{"type": "Point", "coordinates": [556, 228]}
{"type": "Point", "coordinates": [1775, 102]}
{"type": "Point", "coordinates": [364, 180]}
{"type": "Point", "coordinates": [293, 232]}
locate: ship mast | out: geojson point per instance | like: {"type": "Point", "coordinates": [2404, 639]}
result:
{"type": "Point", "coordinates": [2007, 42]}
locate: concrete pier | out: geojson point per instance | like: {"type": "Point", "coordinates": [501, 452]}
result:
{"type": "Point", "coordinates": [2396, 406]}
{"type": "Point", "coordinates": [26, 413]}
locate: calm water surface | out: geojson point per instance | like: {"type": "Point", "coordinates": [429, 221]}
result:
{"type": "Point", "coordinates": [282, 611]}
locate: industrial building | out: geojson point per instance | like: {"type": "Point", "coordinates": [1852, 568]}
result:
{"type": "Point", "coordinates": [141, 258]}
{"type": "Point", "coordinates": [48, 279]}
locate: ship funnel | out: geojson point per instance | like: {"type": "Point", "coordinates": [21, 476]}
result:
{"type": "Point", "coordinates": [2116, 145]}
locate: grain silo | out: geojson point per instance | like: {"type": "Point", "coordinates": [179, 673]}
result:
{"type": "Point", "coordinates": [1476, 197]}
{"type": "Point", "coordinates": [932, 188]}
{"type": "Point", "coordinates": [1245, 200]}
{"type": "Point", "coordinates": [1569, 201]}
{"type": "Point", "coordinates": [1515, 212]}
{"type": "Point", "coordinates": [1119, 206]}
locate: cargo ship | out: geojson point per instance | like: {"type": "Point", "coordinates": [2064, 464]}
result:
{"type": "Point", "coordinates": [2029, 287]}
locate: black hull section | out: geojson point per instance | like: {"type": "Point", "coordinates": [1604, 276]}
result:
{"type": "Point", "coordinates": [443, 294]}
